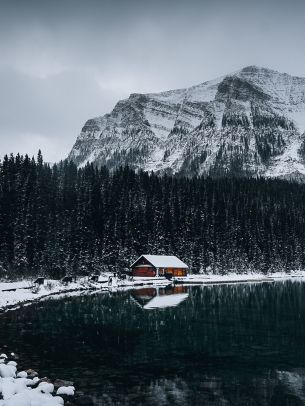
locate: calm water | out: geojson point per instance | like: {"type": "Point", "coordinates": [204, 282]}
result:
{"type": "Point", "coordinates": [220, 345]}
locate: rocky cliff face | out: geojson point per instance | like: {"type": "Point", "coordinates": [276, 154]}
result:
{"type": "Point", "coordinates": [249, 122]}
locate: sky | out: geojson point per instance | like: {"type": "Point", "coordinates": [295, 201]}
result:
{"type": "Point", "coordinates": [65, 61]}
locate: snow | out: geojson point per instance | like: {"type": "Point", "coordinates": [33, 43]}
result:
{"type": "Point", "coordinates": [7, 371]}
{"type": "Point", "coordinates": [298, 117]}
{"type": "Point", "coordinates": [204, 92]}
{"type": "Point", "coordinates": [163, 261]}
{"type": "Point", "coordinates": [207, 279]}
{"type": "Point", "coordinates": [287, 163]}
{"type": "Point", "coordinates": [19, 391]}
{"type": "Point", "coordinates": [22, 374]}
{"type": "Point", "coordinates": [66, 390]}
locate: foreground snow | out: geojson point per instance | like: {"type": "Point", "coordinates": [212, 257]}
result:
{"type": "Point", "coordinates": [17, 293]}
{"type": "Point", "coordinates": [24, 389]}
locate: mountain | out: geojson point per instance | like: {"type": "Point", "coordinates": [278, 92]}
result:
{"type": "Point", "coordinates": [248, 122]}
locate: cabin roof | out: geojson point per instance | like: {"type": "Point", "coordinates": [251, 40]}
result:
{"type": "Point", "coordinates": [163, 261]}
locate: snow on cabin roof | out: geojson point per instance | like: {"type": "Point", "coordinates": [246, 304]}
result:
{"type": "Point", "coordinates": [163, 261]}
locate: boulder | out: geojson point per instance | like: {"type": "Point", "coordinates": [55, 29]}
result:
{"type": "Point", "coordinates": [31, 373]}
{"type": "Point", "coordinates": [44, 379]}
{"type": "Point", "coordinates": [58, 383]}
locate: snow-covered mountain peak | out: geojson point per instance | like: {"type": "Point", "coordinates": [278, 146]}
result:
{"type": "Point", "coordinates": [250, 121]}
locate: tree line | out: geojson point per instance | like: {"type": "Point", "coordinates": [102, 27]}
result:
{"type": "Point", "coordinates": [63, 220]}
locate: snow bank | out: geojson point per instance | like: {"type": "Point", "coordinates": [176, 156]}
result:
{"type": "Point", "coordinates": [17, 389]}
{"type": "Point", "coordinates": [15, 293]}
{"type": "Point", "coordinates": [238, 278]}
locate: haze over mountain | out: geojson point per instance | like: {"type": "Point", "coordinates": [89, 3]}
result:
{"type": "Point", "coordinates": [248, 122]}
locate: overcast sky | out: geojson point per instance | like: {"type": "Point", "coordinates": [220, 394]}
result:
{"type": "Point", "coordinates": [64, 61]}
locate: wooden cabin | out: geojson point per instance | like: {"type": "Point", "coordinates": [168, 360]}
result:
{"type": "Point", "coordinates": [158, 265]}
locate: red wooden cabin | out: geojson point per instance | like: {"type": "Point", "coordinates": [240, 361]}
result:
{"type": "Point", "coordinates": [158, 265]}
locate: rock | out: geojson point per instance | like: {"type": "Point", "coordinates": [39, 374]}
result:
{"type": "Point", "coordinates": [60, 382]}
{"type": "Point", "coordinates": [31, 373]}
{"type": "Point", "coordinates": [84, 401]}
{"type": "Point", "coordinates": [13, 356]}
{"type": "Point", "coordinates": [45, 379]}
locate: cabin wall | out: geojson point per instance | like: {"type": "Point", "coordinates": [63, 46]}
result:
{"type": "Point", "coordinates": [149, 271]}
{"type": "Point", "coordinates": [144, 271]}
{"type": "Point", "coordinates": [173, 271]}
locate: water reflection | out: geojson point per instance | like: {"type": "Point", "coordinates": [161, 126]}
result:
{"type": "Point", "coordinates": [159, 297]}
{"type": "Point", "coordinates": [221, 345]}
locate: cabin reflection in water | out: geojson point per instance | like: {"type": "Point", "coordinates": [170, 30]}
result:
{"type": "Point", "coordinates": [159, 297]}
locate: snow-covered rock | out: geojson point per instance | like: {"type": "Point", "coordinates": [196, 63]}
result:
{"type": "Point", "coordinates": [251, 122]}
{"type": "Point", "coordinates": [18, 391]}
{"type": "Point", "coordinates": [7, 371]}
{"type": "Point", "coordinates": [45, 387]}
{"type": "Point", "coordinates": [66, 390]}
{"type": "Point", "coordinates": [22, 374]}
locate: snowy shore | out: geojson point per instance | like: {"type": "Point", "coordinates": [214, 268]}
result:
{"type": "Point", "coordinates": [14, 294]}
{"type": "Point", "coordinates": [25, 388]}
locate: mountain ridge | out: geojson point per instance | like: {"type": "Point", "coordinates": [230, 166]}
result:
{"type": "Point", "coordinates": [251, 121]}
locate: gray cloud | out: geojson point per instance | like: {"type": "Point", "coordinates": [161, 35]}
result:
{"type": "Point", "coordinates": [65, 61]}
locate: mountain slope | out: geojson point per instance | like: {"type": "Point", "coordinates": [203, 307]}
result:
{"type": "Point", "coordinates": [249, 122]}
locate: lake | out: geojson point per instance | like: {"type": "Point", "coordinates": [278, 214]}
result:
{"type": "Point", "coordinates": [205, 345]}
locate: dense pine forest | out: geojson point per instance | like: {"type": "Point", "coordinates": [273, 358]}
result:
{"type": "Point", "coordinates": [63, 220]}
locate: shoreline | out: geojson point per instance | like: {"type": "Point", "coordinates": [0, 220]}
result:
{"type": "Point", "coordinates": [14, 295]}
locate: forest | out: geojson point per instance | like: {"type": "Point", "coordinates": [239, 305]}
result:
{"type": "Point", "coordinates": [58, 220]}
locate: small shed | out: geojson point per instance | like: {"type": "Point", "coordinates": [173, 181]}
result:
{"type": "Point", "coordinates": [39, 280]}
{"type": "Point", "coordinates": [158, 265]}
{"type": "Point", "coordinates": [94, 277]}
{"type": "Point", "coordinates": [67, 279]}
